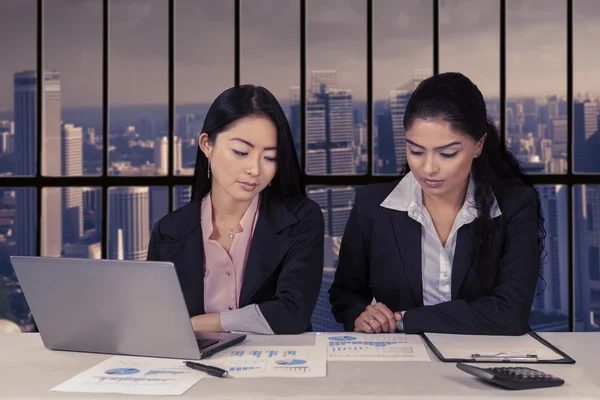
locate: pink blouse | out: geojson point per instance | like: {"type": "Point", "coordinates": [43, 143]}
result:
{"type": "Point", "coordinates": [224, 272]}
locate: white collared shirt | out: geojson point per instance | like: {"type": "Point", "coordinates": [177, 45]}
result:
{"type": "Point", "coordinates": [436, 259]}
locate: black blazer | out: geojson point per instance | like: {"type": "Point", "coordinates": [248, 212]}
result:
{"type": "Point", "coordinates": [284, 269]}
{"type": "Point", "coordinates": [380, 256]}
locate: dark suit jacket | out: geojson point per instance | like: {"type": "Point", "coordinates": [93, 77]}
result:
{"type": "Point", "coordinates": [380, 256]}
{"type": "Point", "coordinates": [284, 269]}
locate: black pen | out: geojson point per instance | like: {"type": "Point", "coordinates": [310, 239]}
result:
{"type": "Point", "coordinates": [214, 371]}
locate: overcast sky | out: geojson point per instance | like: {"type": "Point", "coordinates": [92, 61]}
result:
{"type": "Point", "coordinates": [335, 38]}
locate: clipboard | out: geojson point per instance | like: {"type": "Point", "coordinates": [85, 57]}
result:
{"type": "Point", "coordinates": [479, 342]}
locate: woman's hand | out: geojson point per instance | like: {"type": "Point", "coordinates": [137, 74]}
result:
{"type": "Point", "coordinates": [376, 319]}
{"type": "Point", "coordinates": [207, 323]}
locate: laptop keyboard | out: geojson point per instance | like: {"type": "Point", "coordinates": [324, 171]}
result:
{"type": "Point", "coordinates": [204, 343]}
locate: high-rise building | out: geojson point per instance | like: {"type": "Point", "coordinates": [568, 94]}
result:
{"type": "Point", "coordinates": [584, 314]}
{"type": "Point", "coordinates": [558, 133]}
{"type": "Point", "coordinates": [7, 140]}
{"type": "Point", "coordinates": [25, 114]}
{"type": "Point", "coordinates": [585, 124]}
{"type": "Point", "coordinates": [329, 127]}
{"type": "Point", "coordinates": [177, 155]}
{"type": "Point", "coordinates": [592, 225]}
{"type": "Point", "coordinates": [555, 297]}
{"type": "Point", "coordinates": [92, 203]}
{"type": "Point", "coordinates": [183, 194]}
{"type": "Point", "coordinates": [72, 165]}
{"type": "Point", "coordinates": [336, 204]}
{"type": "Point", "coordinates": [128, 225]}
{"type": "Point", "coordinates": [161, 155]}
{"type": "Point", "coordinates": [386, 154]}
{"type": "Point", "coordinates": [294, 118]}
{"type": "Point", "coordinates": [398, 101]}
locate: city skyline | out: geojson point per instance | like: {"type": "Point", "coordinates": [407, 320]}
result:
{"type": "Point", "coordinates": [336, 118]}
{"type": "Point", "coordinates": [335, 37]}
{"type": "Point", "coordinates": [133, 211]}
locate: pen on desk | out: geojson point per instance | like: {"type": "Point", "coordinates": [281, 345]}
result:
{"type": "Point", "coordinates": [214, 371]}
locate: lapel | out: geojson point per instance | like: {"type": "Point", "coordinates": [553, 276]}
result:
{"type": "Point", "coordinates": [268, 247]}
{"type": "Point", "coordinates": [182, 244]}
{"type": "Point", "coordinates": [408, 238]}
{"type": "Point", "coordinates": [462, 258]}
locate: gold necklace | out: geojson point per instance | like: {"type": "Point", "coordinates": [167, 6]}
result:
{"type": "Point", "coordinates": [231, 234]}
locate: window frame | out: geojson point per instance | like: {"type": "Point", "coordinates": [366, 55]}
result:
{"type": "Point", "coordinates": [105, 181]}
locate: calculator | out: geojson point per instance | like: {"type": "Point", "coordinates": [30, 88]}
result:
{"type": "Point", "coordinates": [515, 378]}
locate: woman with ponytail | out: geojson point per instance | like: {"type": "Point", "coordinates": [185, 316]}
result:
{"type": "Point", "coordinates": [456, 244]}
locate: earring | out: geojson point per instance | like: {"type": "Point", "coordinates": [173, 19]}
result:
{"type": "Point", "coordinates": [477, 154]}
{"type": "Point", "coordinates": [208, 168]}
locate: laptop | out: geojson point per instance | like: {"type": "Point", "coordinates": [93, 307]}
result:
{"type": "Point", "coordinates": [113, 307]}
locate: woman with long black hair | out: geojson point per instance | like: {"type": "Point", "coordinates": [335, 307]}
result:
{"type": "Point", "coordinates": [248, 248]}
{"type": "Point", "coordinates": [454, 246]}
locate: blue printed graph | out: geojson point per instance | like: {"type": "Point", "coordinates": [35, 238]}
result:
{"type": "Point", "coordinates": [122, 371]}
{"type": "Point", "coordinates": [342, 338]}
{"type": "Point", "coordinates": [248, 368]}
{"type": "Point", "coordinates": [290, 363]}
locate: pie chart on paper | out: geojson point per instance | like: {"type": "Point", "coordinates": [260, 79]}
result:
{"type": "Point", "coordinates": [122, 371]}
{"type": "Point", "coordinates": [290, 363]}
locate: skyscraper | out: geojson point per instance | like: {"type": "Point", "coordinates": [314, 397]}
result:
{"type": "Point", "coordinates": [398, 100]}
{"type": "Point", "coordinates": [555, 298]}
{"type": "Point", "coordinates": [161, 155]}
{"type": "Point", "coordinates": [329, 127]}
{"type": "Point", "coordinates": [183, 195]}
{"type": "Point", "coordinates": [25, 86]}
{"type": "Point", "coordinates": [92, 203]}
{"type": "Point", "coordinates": [128, 225]}
{"type": "Point", "coordinates": [72, 165]}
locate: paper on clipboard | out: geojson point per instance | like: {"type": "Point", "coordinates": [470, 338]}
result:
{"type": "Point", "coordinates": [465, 346]}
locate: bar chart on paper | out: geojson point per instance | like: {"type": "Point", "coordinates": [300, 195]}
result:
{"type": "Point", "coordinates": [369, 347]}
{"type": "Point", "coordinates": [252, 362]}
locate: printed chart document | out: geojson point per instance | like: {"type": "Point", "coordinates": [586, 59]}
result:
{"type": "Point", "coordinates": [134, 375]}
{"type": "Point", "coordinates": [271, 361]}
{"type": "Point", "coordinates": [373, 347]}
{"type": "Point", "coordinates": [490, 346]}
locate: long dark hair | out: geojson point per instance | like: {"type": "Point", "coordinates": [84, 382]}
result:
{"type": "Point", "coordinates": [453, 98]}
{"type": "Point", "coordinates": [246, 101]}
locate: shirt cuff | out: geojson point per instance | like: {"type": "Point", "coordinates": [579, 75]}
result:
{"type": "Point", "coordinates": [248, 319]}
{"type": "Point", "coordinates": [400, 324]}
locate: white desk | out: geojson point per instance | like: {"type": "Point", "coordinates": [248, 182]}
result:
{"type": "Point", "coordinates": [28, 370]}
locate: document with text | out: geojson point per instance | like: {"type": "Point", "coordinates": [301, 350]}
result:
{"type": "Point", "coordinates": [373, 347]}
{"type": "Point", "coordinates": [134, 375]}
{"type": "Point", "coordinates": [272, 361]}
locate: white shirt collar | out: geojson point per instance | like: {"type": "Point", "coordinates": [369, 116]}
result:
{"type": "Point", "coordinates": [407, 196]}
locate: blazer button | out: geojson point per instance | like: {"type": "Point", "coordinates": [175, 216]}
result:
{"type": "Point", "coordinates": [228, 273]}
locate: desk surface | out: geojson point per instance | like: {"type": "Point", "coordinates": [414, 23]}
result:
{"type": "Point", "coordinates": [28, 370]}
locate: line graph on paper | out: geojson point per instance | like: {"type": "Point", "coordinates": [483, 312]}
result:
{"type": "Point", "coordinates": [368, 347]}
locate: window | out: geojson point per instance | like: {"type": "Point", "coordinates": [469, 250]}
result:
{"type": "Point", "coordinates": [536, 84]}
{"type": "Point", "coordinates": [270, 53]}
{"type": "Point", "coordinates": [336, 82]}
{"type": "Point", "coordinates": [204, 67]}
{"type": "Point", "coordinates": [138, 84]}
{"type": "Point", "coordinates": [93, 157]}
{"type": "Point", "coordinates": [586, 96]}
{"type": "Point", "coordinates": [402, 57]}
{"type": "Point", "coordinates": [470, 43]}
